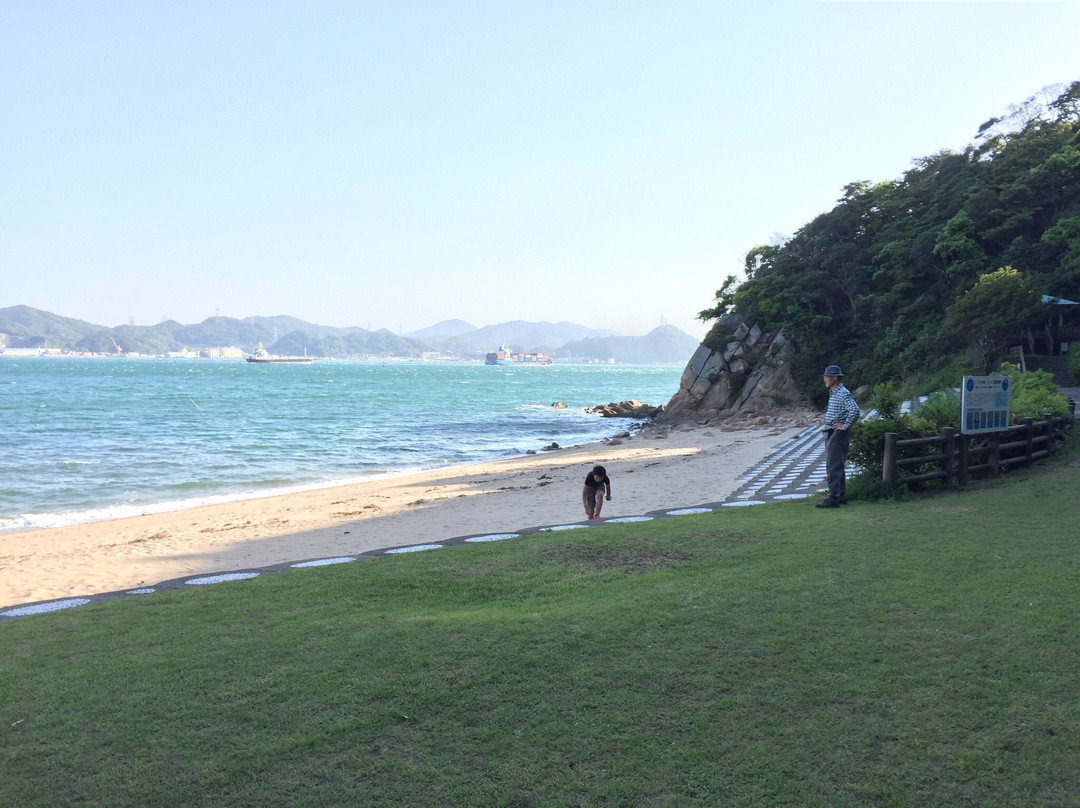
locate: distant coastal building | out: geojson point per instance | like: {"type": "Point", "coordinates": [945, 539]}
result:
{"type": "Point", "coordinates": [224, 353]}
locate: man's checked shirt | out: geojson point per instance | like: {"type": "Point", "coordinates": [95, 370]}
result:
{"type": "Point", "coordinates": [842, 408]}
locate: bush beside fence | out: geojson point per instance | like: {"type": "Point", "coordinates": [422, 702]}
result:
{"type": "Point", "coordinates": [959, 456]}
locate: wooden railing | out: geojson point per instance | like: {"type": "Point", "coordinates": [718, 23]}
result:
{"type": "Point", "coordinates": [957, 456]}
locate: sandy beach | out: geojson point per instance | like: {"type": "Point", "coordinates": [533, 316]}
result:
{"type": "Point", "coordinates": [656, 468]}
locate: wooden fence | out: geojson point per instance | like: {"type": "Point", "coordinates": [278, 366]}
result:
{"type": "Point", "coordinates": [959, 456]}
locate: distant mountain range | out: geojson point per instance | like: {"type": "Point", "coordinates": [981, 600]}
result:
{"type": "Point", "coordinates": [22, 327]}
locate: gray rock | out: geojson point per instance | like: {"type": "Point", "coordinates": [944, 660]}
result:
{"type": "Point", "coordinates": [753, 373]}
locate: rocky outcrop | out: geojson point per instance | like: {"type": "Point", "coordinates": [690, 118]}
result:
{"type": "Point", "coordinates": [626, 409]}
{"type": "Point", "coordinates": [750, 376]}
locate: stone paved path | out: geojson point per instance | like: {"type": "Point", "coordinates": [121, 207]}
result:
{"type": "Point", "coordinates": [795, 471]}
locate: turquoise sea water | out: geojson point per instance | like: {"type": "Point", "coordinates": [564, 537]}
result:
{"type": "Point", "coordinates": [89, 439]}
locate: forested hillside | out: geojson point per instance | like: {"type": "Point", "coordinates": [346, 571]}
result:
{"type": "Point", "coordinates": [870, 284]}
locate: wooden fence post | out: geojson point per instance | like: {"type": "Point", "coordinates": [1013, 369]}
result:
{"type": "Point", "coordinates": [993, 456]}
{"type": "Point", "coordinates": [888, 468]}
{"type": "Point", "coordinates": [962, 471]}
{"type": "Point", "coordinates": [1029, 436]}
{"type": "Point", "coordinates": [949, 434]}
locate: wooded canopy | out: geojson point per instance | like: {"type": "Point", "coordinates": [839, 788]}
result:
{"type": "Point", "coordinates": [868, 285]}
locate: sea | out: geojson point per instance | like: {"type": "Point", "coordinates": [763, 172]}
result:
{"type": "Point", "coordinates": [87, 439]}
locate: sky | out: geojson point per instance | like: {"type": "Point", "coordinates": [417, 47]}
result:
{"type": "Point", "coordinates": [396, 164]}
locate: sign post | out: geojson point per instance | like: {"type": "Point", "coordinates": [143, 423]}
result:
{"type": "Point", "coordinates": [984, 404]}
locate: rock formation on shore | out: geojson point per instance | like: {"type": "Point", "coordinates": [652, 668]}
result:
{"type": "Point", "coordinates": [626, 409]}
{"type": "Point", "coordinates": [749, 377]}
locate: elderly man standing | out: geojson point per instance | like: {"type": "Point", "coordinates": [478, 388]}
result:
{"type": "Point", "coordinates": [841, 413]}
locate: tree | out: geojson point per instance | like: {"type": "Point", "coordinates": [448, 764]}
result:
{"type": "Point", "coordinates": [868, 284]}
{"type": "Point", "coordinates": [725, 299]}
{"type": "Point", "coordinates": [993, 313]}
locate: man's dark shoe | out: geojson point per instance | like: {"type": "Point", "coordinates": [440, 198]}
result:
{"type": "Point", "coordinates": [828, 503]}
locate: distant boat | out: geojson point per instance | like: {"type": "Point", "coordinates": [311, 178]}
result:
{"type": "Point", "coordinates": [263, 357]}
{"type": "Point", "coordinates": [504, 356]}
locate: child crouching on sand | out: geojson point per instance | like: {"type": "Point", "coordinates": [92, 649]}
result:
{"type": "Point", "coordinates": [596, 486]}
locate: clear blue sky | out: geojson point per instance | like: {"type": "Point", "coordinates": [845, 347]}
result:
{"type": "Point", "coordinates": [394, 164]}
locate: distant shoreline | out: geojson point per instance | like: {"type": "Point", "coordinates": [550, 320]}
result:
{"type": "Point", "coordinates": [405, 360]}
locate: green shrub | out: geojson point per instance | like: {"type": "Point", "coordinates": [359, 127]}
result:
{"type": "Point", "coordinates": [1033, 394]}
{"type": "Point", "coordinates": [867, 450]}
{"type": "Point", "coordinates": [1074, 366]}
{"type": "Point", "coordinates": [869, 487]}
{"type": "Point", "coordinates": [886, 401]}
{"type": "Point", "coordinates": [940, 410]}
{"type": "Point", "coordinates": [1067, 448]}
{"type": "Point", "coordinates": [1036, 403]}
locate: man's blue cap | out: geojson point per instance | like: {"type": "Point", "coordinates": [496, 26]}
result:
{"type": "Point", "coordinates": [833, 370]}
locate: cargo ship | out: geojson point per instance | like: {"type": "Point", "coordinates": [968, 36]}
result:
{"type": "Point", "coordinates": [504, 356]}
{"type": "Point", "coordinates": [263, 357]}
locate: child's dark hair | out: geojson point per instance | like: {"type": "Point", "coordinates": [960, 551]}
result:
{"type": "Point", "coordinates": [600, 470]}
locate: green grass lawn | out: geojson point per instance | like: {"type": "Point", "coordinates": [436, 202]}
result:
{"type": "Point", "coordinates": [918, 653]}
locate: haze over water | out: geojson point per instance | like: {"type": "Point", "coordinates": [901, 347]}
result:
{"type": "Point", "coordinates": [89, 439]}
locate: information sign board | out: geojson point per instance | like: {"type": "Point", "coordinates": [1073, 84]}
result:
{"type": "Point", "coordinates": [984, 404]}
